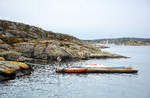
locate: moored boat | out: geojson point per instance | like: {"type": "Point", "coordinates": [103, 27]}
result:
{"type": "Point", "coordinates": [90, 68]}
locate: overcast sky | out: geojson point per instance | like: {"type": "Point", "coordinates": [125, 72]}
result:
{"type": "Point", "coordinates": [85, 19]}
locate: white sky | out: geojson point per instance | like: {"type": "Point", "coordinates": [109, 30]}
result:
{"type": "Point", "coordinates": [85, 19]}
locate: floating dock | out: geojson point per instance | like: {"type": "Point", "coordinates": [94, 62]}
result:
{"type": "Point", "coordinates": [96, 70]}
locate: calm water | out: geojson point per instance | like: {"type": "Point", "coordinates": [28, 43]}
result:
{"type": "Point", "coordinates": [45, 83]}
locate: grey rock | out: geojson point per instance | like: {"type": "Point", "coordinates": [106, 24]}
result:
{"type": "Point", "coordinates": [13, 32]}
{"type": "Point", "coordinates": [8, 35]}
{"type": "Point", "coordinates": [10, 55]}
{"type": "Point", "coordinates": [12, 26]}
{"type": "Point", "coordinates": [39, 52]}
{"type": "Point", "coordinates": [27, 49]}
{"type": "Point", "coordinates": [1, 41]}
{"type": "Point", "coordinates": [22, 34]}
{"type": "Point", "coordinates": [32, 35]}
{"type": "Point", "coordinates": [5, 46]}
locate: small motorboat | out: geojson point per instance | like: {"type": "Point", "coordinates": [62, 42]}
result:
{"type": "Point", "coordinates": [97, 68]}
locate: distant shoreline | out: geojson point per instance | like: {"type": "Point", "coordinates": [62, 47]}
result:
{"type": "Point", "coordinates": [123, 41]}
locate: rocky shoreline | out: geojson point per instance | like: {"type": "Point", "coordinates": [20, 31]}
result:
{"type": "Point", "coordinates": [13, 69]}
{"type": "Point", "coordinates": [21, 42]}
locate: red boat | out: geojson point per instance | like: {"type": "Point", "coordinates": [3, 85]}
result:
{"type": "Point", "coordinates": [75, 70]}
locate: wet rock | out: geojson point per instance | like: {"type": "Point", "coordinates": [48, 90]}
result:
{"type": "Point", "coordinates": [5, 46]}
{"type": "Point", "coordinates": [2, 59]}
{"type": "Point", "coordinates": [12, 69]}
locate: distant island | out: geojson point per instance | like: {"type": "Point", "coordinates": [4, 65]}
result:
{"type": "Point", "coordinates": [123, 41]}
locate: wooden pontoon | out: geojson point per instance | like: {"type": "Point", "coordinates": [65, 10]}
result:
{"type": "Point", "coordinates": [97, 70]}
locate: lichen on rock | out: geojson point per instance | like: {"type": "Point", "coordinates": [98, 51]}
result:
{"type": "Point", "coordinates": [2, 59]}
{"type": "Point", "coordinates": [12, 69]}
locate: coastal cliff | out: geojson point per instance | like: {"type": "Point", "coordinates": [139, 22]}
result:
{"type": "Point", "coordinates": [22, 42]}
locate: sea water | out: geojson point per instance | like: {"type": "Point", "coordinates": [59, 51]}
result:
{"type": "Point", "coordinates": [44, 82]}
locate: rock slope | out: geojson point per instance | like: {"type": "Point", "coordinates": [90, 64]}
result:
{"type": "Point", "coordinates": [21, 42]}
